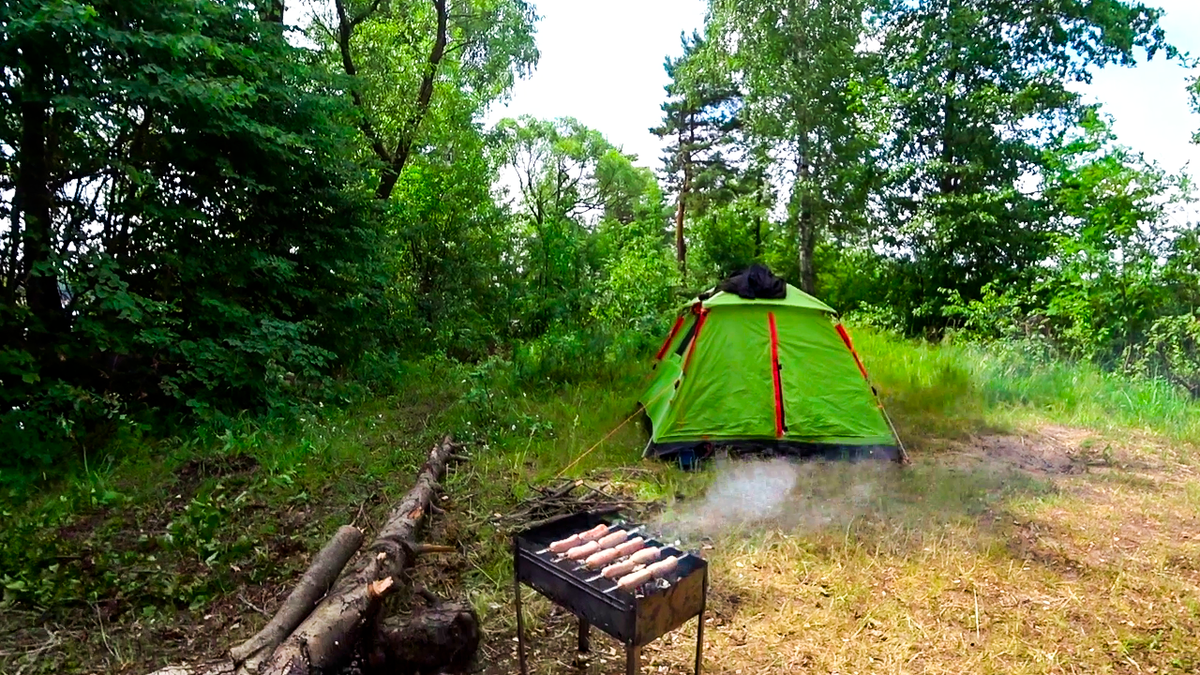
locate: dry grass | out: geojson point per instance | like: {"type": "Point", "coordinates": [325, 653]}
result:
{"type": "Point", "coordinates": [1010, 546]}
{"type": "Point", "coordinates": [1050, 551]}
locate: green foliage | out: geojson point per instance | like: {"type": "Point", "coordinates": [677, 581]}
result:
{"type": "Point", "coordinates": [942, 388]}
{"type": "Point", "coordinates": [730, 238]}
{"type": "Point", "coordinates": [806, 84]}
{"type": "Point", "coordinates": [1172, 348]}
{"type": "Point", "coordinates": [44, 568]}
{"type": "Point", "coordinates": [1118, 286]}
{"type": "Point", "coordinates": [207, 249]}
{"type": "Point", "coordinates": [590, 227]}
{"type": "Point", "coordinates": [193, 236]}
{"type": "Point", "coordinates": [447, 240]}
{"type": "Point", "coordinates": [980, 90]}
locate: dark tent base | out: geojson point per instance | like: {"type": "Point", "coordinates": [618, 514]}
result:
{"type": "Point", "coordinates": [689, 454]}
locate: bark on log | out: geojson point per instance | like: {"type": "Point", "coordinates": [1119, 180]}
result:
{"type": "Point", "coordinates": [317, 580]}
{"type": "Point", "coordinates": [329, 635]}
{"type": "Point", "coordinates": [218, 668]}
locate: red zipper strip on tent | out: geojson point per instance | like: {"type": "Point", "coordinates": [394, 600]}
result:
{"type": "Point", "coordinates": [695, 338]}
{"type": "Point", "coordinates": [775, 375]}
{"type": "Point", "coordinates": [846, 338]}
{"type": "Point", "coordinates": [667, 345]}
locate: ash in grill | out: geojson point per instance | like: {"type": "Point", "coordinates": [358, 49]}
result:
{"type": "Point", "coordinates": [613, 576]}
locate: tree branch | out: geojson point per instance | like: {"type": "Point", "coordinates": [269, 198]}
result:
{"type": "Point", "coordinates": [321, 574]}
{"type": "Point", "coordinates": [391, 173]}
{"type": "Point", "coordinates": [365, 15]}
{"type": "Point", "coordinates": [345, 31]}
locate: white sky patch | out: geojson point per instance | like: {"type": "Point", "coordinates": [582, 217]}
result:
{"type": "Point", "coordinates": [602, 64]}
{"type": "Point", "coordinates": [1149, 102]}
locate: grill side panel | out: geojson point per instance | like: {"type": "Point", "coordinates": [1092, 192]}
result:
{"type": "Point", "coordinates": [662, 612]}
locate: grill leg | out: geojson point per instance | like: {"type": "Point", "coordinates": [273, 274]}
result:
{"type": "Point", "coordinates": [520, 623]}
{"type": "Point", "coordinates": [584, 633]}
{"type": "Point", "coordinates": [700, 624]}
{"type": "Point", "coordinates": [633, 659]}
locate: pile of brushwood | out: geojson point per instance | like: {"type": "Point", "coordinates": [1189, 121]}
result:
{"type": "Point", "coordinates": [571, 496]}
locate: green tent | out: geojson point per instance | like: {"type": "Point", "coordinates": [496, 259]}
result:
{"type": "Point", "coordinates": [775, 375]}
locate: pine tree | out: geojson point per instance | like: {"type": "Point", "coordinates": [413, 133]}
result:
{"type": "Point", "coordinates": [700, 119]}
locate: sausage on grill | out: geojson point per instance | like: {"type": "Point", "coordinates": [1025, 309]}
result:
{"type": "Point", "coordinates": [601, 558]}
{"type": "Point", "coordinates": [635, 544]}
{"type": "Point", "coordinates": [607, 555]}
{"type": "Point", "coordinates": [658, 569]}
{"type": "Point", "coordinates": [639, 558]}
{"type": "Point", "coordinates": [646, 555]}
{"type": "Point", "coordinates": [574, 540]}
{"type": "Point", "coordinates": [583, 550]}
{"type": "Point", "coordinates": [613, 539]}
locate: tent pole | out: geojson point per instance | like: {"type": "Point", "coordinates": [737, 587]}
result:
{"type": "Point", "coordinates": [899, 443]}
{"type": "Point", "coordinates": [874, 392]}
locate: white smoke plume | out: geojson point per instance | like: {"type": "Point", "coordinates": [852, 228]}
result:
{"type": "Point", "coordinates": [777, 493]}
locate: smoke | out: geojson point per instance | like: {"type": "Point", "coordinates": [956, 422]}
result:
{"type": "Point", "coordinates": [777, 494]}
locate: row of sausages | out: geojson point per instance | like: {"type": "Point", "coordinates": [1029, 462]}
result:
{"type": "Point", "coordinates": [616, 554]}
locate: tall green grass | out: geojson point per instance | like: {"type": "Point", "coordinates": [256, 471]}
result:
{"type": "Point", "coordinates": [943, 387]}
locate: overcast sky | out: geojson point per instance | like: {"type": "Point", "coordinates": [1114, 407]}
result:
{"type": "Point", "coordinates": [602, 64]}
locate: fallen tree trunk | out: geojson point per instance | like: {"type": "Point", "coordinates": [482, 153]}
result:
{"type": "Point", "coordinates": [317, 580]}
{"type": "Point", "coordinates": [318, 632]}
{"type": "Point", "coordinates": [328, 637]}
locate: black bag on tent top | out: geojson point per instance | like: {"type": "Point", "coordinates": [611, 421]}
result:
{"type": "Point", "coordinates": [755, 283]}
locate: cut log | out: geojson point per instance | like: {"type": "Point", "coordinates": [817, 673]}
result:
{"type": "Point", "coordinates": [317, 580]}
{"type": "Point", "coordinates": [442, 637]}
{"type": "Point", "coordinates": [319, 629]}
{"type": "Point", "coordinates": [331, 633]}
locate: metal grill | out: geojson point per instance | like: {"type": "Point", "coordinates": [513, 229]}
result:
{"type": "Point", "coordinates": [634, 616]}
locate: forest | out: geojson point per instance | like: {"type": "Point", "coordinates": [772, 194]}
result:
{"type": "Point", "coordinates": [224, 234]}
{"type": "Point", "coordinates": [203, 220]}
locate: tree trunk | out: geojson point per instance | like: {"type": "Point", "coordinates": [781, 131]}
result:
{"type": "Point", "coordinates": [949, 182]}
{"type": "Point", "coordinates": [685, 160]}
{"type": "Point", "coordinates": [758, 223]}
{"type": "Point", "coordinates": [314, 632]}
{"type": "Point", "coordinates": [394, 161]}
{"type": "Point", "coordinates": [680, 244]}
{"type": "Point", "coordinates": [807, 228]}
{"type": "Point", "coordinates": [37, 203]}
{"type": "Point", "coordinates": [408, 135]}
{"type": "Point", "coordinates": [808, 241]}
{"type": "Point", "coordinates": [330, 634]}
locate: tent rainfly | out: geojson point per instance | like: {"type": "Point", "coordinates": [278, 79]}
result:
{"type": "Point", "coordinates": [757, 365]}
